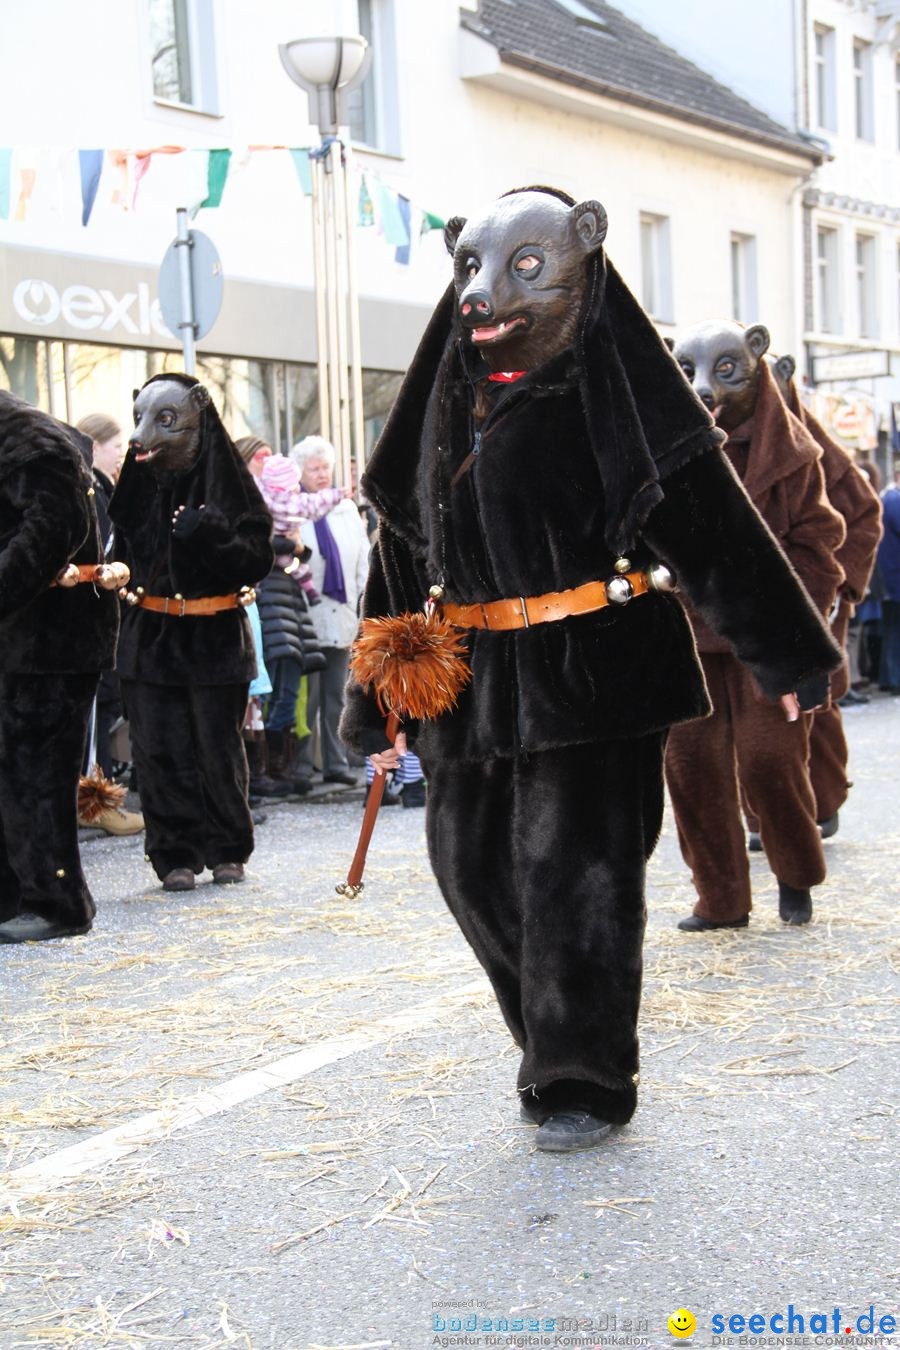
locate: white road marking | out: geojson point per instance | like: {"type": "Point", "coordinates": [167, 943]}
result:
{"type": "Point", "coordinates": [108, 1147]}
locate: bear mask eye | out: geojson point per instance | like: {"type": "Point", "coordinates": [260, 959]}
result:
{"type": "Point", "coordinates": [166, 418]}
{"type": "Point", "coordinates": [473, 267]}
{"type": "Point", "coordinates": [688, 369]}
{"type": "Point", "coordinates": [725, 367]}
{"type": "Point", "coordinates": [528, 262]}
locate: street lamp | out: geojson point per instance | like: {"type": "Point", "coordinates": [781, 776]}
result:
{"type": "Point", "coordinates": [328, 68]}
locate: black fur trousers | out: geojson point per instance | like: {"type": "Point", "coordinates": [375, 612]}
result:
{"type": "Point", "coordinates": [192, 772]}
{"type": "Point", "coordinates": [43, 729]}
{"type": "Point", "coordinates": [541, 860]}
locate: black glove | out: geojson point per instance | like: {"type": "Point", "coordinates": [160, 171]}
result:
{"type": "Point", "coordinates": [812, 692]}
{"type": "Point", "coordinates": [374, 741]}
{"type": "Point", "coordinates": [185, 521]}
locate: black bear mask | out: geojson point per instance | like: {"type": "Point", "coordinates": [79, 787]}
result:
{"type": "Point", "coordinates": [520, 273]}
{"type": "Point", "coordinates": [721, 359]}
{"type": "Point", "coordinates": [166, 432]}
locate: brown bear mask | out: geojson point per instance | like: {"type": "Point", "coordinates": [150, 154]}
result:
{"type": "Point", "coordinates": [721, 359]}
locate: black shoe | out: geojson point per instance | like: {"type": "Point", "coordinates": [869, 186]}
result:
{"type": "Point", "coordinates": [228, 873]}
{"type": "Point", "coordinates": [694, 924]}
{"type": "Point", "coordinates": [179, 879]}
{"type": "Point", "coordinates": [413, 794]}
{"type": "Point", "coordinates": [754, 843]}
{"type": "Point", "coordinates": [566, 1131]}
{"type": "Point", "coordinates": [346, 778]}
{"type": "Point", "coordinates": [301, 785]}
{"type": "Point", "coordinates": [852, 699]}
{"type": "Point", "coordinates": [32, 928]}
{"type": "Point", "coordinates": [828, 827]}
{"type": "Point", "coordinates": [793, 906]}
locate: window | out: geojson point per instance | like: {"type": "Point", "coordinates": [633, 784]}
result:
{"type": "Point", "coordinates": [825, 84]}
{"type": "Point", "coordinates": [743, 278]}
{"type": "Point", "coordinates": [656, 267]}
{"type": "Point", "coordinates": [897, 95]}
{"type": "Point", "coordinates": [182, 54]}
{"type": "Point", "coordinates": [828, 320]}
{"type": "Point", "coordinates": [373, 108]}
{"type": "Point", "coordinates": [866, 297]}
{"type": "Point", "coordinates": [862, 90]}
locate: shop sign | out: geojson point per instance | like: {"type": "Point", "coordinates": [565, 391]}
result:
{"type": "Point", "coordinates": [90, 309]}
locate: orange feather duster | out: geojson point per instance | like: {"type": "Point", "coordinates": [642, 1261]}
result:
{"type": "Point", "coordinates": [97, 794]}
{"type": "Point", "coordinates": [417, 665]}
{"type": "Point", "coordinates": [415, 661]}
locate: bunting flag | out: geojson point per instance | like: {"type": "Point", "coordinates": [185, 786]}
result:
{"type": "Point", "coordinates": [90, 162]}
{"type": "Point", "coordinates": [301, 164]}
{"type": "Point", "coordinates": [401, 253]}
{"type": "Point", "coordinates": [365, 207]}
{"type": "Point", "coordinates": [216, 174]}
{"type": "Point", "coordinates": [393, 228]}
{"type": "Point", "coordinates": [5, 179]}
{"type": "Point", "coordinates": [190, 176]}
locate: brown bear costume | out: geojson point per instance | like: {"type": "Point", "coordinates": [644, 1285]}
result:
{"type": "Point", "coordinates": [545, 782]}
{"type": "Point", "coordinates": [54, 642]}
{"type": "Point", "coordinates": [747, 738]}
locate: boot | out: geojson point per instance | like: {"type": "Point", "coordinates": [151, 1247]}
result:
{"type": "Point", "coordinates": [278, 750]}
{"type": "Point", "coordinates": [300, 781]}
{"type": "Point", "coordinates": [794, 905]}
{"type": "Point", "coordinates": [261, 784]}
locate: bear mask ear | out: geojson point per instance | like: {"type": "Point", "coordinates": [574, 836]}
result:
{"type": "Point", "coordinates": [670, 343]}
{"type": "Point", "coordinates": [452, 230]}
{"type": "Point", "coordinates": [200, 396]}
{"type": "Point", "coordinates": [757, 339]}
{"type": "Point", "coordinates": [786, 367]}
{"type": "Point", "coordinates": [591, 224]}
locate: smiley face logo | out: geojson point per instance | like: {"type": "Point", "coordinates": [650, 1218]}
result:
{"type": "Point", "coordinates": [682, 1323]}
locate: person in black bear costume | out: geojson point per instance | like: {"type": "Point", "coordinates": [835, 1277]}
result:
{"type": "Point", "coordinates": [564, 468]}
{"type": "Point", "coordinates": [196, 535]}
{"type": "Point", "coordinates": [54, 642]}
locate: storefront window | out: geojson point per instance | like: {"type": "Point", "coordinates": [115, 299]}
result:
{"type": "Point", "coordinates": [243, 393]}
{"type": "Point", "coordinates": [380, 388]}
{"type": "Point", "coordinates": [23, 369]}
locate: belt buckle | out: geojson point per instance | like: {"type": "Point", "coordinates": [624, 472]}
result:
{"type": "Point", "coordinates": [183, 605]}
{"type": "Point", "coordinates": [523, 606]}
{"type": "Point", "coordinates": [165, 604]}
{"type": "Point", "coordinates": [484, 616]}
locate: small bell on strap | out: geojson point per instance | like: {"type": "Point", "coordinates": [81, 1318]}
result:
{"type": "Point", "coordinates": [619, 591]}
{"type": "Point", "coordinates": [69, 576]}
{"type": "Point", "coordinates": [660, 577]}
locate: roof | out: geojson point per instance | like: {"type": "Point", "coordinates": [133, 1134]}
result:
{"type": "Point", "coordinates": [613, 56]}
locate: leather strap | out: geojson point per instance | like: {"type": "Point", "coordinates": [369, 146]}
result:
{"type": "Point", "coordinates": [524, 611]}
{"type": "Point", "coordinates": [178, 608]}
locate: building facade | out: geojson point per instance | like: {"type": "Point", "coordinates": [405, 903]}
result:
{"type": "Point", "coordinates": [704, 191]}
{"type": "Point", "coordinates": [833, 74]}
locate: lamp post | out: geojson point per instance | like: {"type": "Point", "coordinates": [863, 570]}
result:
{"type": "Point", "coordinates": [327, 68]}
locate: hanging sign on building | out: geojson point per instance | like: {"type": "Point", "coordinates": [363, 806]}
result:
{"type": "Point", "coordinates": [857, 365]}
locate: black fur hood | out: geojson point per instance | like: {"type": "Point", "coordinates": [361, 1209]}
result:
{"type": "Point", "coordinates": [643, 418]}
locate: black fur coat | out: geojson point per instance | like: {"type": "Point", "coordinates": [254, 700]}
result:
{"type": "Point", "coordinates": [47, 519]}
{"type": "Point", "coordinates": [602, 451]}
{"type": "Point", "coordinates": [229, 548]}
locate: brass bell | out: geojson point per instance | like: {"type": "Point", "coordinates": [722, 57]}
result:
{"type": "Point", "coordinates": [436, 592]}
{"type": "Point", "coordinates": [660, 577]}
{"type": "Point", "coordinates": [179, 597]}
{"type": "Point", "coordinates": [131, 598]}
{"type": "Point", "coordinates": [122, 572]}
{"type": "Point", "coordinates": [60, 872]}
{"type": "Point", "coordinates": [91, 492]}
{"type": "Point", "coordinates": [69, 576]}
{"type": "Point", "coordinates": [619, 591]}
{"type": "Point", "coordinates": [139, 590]}
{"type": "Point", "coordinates": [622, 565]}
{"type": "Point", "coordinates": [107, 577]}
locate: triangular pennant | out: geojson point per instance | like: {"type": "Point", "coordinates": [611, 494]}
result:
{"type": "Point", "coordinates": [301, 164]}
{"type": "Point", "coordinates": [90, 163]}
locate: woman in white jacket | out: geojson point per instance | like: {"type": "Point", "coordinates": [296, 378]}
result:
{"type": "Point", "coordinates": [340, 563]}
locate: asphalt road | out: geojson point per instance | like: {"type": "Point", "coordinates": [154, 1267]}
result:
{"type": "Point", "coordinates": [262, 1116]}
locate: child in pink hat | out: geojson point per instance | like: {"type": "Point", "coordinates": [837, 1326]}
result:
{"type": "Point", "coordinates": [279, 484]}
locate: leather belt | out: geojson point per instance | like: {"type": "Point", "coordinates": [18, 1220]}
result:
{"type": "Point", "coordinates": [178, 608]}
{"type": "Point", "coordinates": [523, 611]}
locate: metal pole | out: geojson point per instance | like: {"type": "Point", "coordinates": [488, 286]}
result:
{"type": "Point", "coordinates": [184, 243]}
{"type": "Point", "coordinates": [340, 236]}
{"type": "Point", "coordinates": [359, 426]}
{"type": "Point", "coordinates": [333, 305]}
{"type": "Point", "coordinates": [321, 287]}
